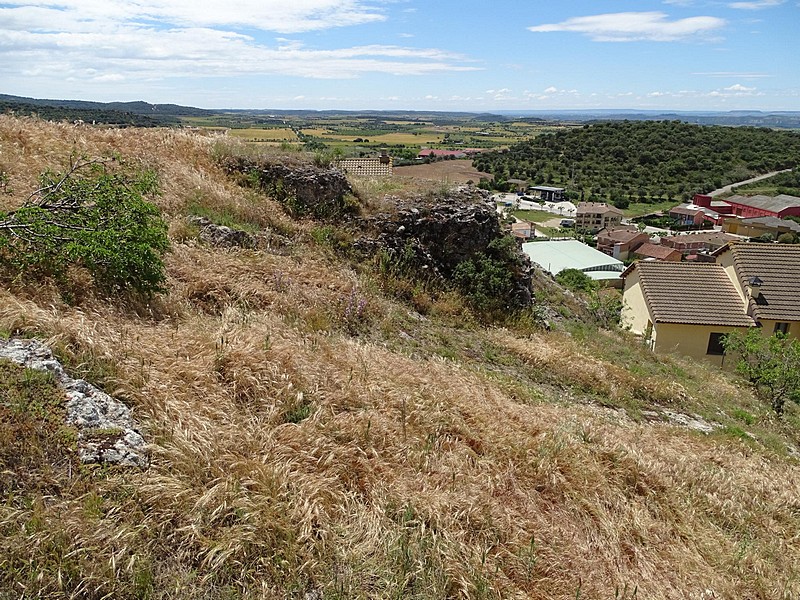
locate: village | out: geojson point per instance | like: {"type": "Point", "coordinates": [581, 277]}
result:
{"type": "Point", "coordinates": [734, 265]}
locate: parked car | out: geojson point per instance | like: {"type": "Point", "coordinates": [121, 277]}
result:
{"type": "Point", "coordinates": [567, 222]}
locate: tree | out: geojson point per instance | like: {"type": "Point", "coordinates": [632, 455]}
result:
{"type": "Point", "coordinates": [771, 364]}
{"type": "Point", "coordinates": [576, 280]}
{"type": "Point", "coordinates": [88, 217]}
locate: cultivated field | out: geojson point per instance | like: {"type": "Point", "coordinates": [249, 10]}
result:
{"type": "Point", "coordinates": [264, 135]}
{"type": "Point", "coordinates": [452, 171]}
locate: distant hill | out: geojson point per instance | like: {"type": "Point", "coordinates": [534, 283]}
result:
{"type": "Point", "coordinates": [630, 161]}
{"type": "Point", "coordinates": [139, 113]}
{"type": "Point", "coordinates": [752, 118]}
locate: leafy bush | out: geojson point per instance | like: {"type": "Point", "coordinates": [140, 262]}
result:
{"type": "Point", "coordinates": [98, 221]}
{"type": "Point", "coordinates": [771, 364]}
{"type": "Point", "coordinates": [576, 280]}
{"type": "Point", "coordinates": [488, 280]}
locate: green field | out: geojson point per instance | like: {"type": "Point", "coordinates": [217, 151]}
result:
{"type": "Point", "coordinates": [536, 216]}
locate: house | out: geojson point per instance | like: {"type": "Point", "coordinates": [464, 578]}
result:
{"type": "Point", "coordinates": [682, 307]}
{"type": "Point", "coordinates": [547, 194]}
{"type": "Point", "coordinates": [780, 206]}
{"type": "Point", "coordinates": [758, 226]}
{"type": "Point", "coordinates": [556, 256]}
{"type": "Point", "coordinates": [684, 216]}
{"type": "Point", "coordinates": [619, 241]}
{"type": "Point", "coordinates": [522, 229]}
{"type": "Point", "coordinates": [688, 307]}
{"type": "Point", "coordinates": [767, 279]}
{"type": "Point", "coordinates": [658, 252]}
{"type": "Point", "coordinates": [594, 216]}
{"type": "Point", "coordinates": [693, 215]}
{"type": "Point", "coordinates": [692, 243]}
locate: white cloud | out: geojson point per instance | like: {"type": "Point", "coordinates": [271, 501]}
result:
{"type": "Point", "coordinates": [734, 74]}
{"type": "Point", "coordinates": [756, 4]}
{"type": "Point", "coordinates": [265, 15]}
{"type": "Point", "coordinates": [634, 26]}
{"type": "Point", "coordinates": [551, 90]}
{"type": "Point", "coordinates": [121, 40]}
{"type": "Point", "coordinates": [739, 88]}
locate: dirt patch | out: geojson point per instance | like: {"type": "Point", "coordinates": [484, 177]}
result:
{"type": "Point", "coordinates": [452, 171]}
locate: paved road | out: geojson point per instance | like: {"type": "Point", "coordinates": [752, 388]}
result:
{"type": "Point", "coordinates": [728, 188]}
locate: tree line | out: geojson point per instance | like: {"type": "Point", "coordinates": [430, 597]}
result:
{"type": "Point", "coordinates": [643, 161]}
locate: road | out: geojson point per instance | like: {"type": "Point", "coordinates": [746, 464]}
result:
{"type": "Point", "coordinates": [728, 188]}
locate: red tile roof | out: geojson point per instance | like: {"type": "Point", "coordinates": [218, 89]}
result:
{"type": "Point", "coordinates": [690, 293]}
{"type": "Point", "coordinates": [656, 251]}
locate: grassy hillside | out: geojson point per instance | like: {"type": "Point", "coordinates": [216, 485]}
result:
{"type": "Point", "coordinates": [302, 449]}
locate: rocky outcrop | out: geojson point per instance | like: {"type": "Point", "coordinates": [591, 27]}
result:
{"type": "Point", "coordinates": [437, 237]}
{"type": "Point", "coordinates": [228, 237]}
{"type": "Point", "coordinates": [303, 189]}
{"type": "Point", "coordinates": [221, 235]}
{"type": "Point", "coordinates": [106, 430]}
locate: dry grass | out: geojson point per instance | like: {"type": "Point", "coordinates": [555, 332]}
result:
{"type": "Point", "coordinates": [296, 448]}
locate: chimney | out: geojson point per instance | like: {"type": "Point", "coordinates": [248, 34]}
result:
{"type": "Point", "coordinates": [754, 285]}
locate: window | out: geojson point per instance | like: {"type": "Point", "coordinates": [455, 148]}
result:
{"type": "Point", "coordinates": [715, 344]}
{"type": "Point", "coordinates": [781, 328]}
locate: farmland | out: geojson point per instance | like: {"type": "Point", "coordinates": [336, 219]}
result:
{"type": "Point", "coordinates": [356, 135]}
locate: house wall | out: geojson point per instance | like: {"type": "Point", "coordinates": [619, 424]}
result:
{"type": "Point", "coordinates": [690, 340]}
{"type": "Point", "coordinates": [768, 327]}
{"type": "Point", "coordinates": [635, 314]}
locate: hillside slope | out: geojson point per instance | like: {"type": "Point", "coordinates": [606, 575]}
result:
{"type": "Point", "coordinates": [304, 449]}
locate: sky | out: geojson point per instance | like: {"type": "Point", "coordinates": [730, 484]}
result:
{"type": "Point", "coordinates": [445, 55]}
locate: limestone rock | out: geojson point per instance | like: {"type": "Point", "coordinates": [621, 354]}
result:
{"type": "Point", "coordinates": [106, 430]}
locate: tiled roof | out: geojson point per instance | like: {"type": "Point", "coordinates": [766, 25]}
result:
{"type": "Point", "coordinates": [683, 209]}
{"type": "Point", "coordinates": [708, 238]}
{"type": "Point", "coordinates": [691, 293]}
{"type": "Point", "coordinates": [619, 235]}
{"type": "Point", "coordinates": [771, 203]}
{"type": "Point", "coordinates": [778, 268]}
{"type": "Point", "coordinates": [655, 251]}
{"type": "Point", "coordinates": [773, 222]}
{"type": "Point", "coordinates": [597, 208]}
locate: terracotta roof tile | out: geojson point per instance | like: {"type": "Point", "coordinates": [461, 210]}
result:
{"type": "Point", "coordinates": [655, 251]}
{"type": "Point", "coordinates": [778, 268]}
{"type": "Point", "coordinates": [691, 293]}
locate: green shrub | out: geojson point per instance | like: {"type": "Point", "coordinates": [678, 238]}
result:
{"type": "Point", "coordinates": [576, 280]}
{"type": "Point", "coordinates": [92, 218]}
{"type": "Point", "coordinates": [489, 279]}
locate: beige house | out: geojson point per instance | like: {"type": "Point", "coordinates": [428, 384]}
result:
{"type": "Point", "coordinates": [767, 279]}
{"type": "Point", "coordinates": [681, 307]}
{"type": "Point", "coordinates": [687, 308]}
{"type": "Point", "coordinates": [594, 216]}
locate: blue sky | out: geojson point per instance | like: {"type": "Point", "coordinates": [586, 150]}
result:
{"type": "Point", "coordinates": [407, 54]}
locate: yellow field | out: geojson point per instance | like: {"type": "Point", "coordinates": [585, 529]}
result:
{"type": "Point", "coordinates": [317, 132]}
{"type": "Point", "coordinates": [395, 138]}
{"type": "Point", "coordinates": [271, 135]}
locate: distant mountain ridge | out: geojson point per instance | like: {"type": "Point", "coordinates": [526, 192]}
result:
{"type": "Point", "coordinates": [143, 113]}
{"type": "Point", "coordinates": [138, 107]}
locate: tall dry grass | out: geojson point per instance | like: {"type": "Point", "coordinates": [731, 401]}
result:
{"type": "Point", "coordinates": [296, 452]}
